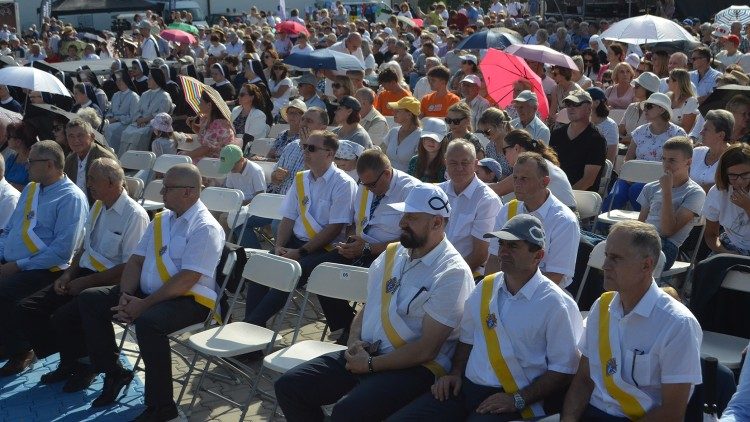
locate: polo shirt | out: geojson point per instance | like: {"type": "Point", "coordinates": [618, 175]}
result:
{"type": "Point", "coordinates": [434, 106]}
{"type": "Point", "coordinates": [588, 148]}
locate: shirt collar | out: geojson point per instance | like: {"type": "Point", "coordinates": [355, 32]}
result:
{"type": "Point", "coordinates": [544, 209]}
{"type": "Point", "coordinates": [327, 175]}
{"type": "Point", "coordinates": [7, 100]}
{"type": "Point", "coordinates": [191, 213]}
{"type": "Point", "coordinates": [432, 256]}
{"type": "Point", "coordinates": [528, 289]}
{"type": "Point", "coordinates": [119, 205]}
{"type": "Point", "coordinates": [469, 191]}
{"type": "Point", "coordinates": [648, 301]}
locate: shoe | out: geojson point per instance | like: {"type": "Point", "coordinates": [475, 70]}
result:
{"type": "Point", "coordinates": [113, 383]}
{"type": "Point", "coordinates": [18, 364]}
{"type": "Point", "coordinates": [81, 379]}
{"type": "Point", "coordinates": [158, 414]}
{"type": "Point", "coordinates": [62, 373]}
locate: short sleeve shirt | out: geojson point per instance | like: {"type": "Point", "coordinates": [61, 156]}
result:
{"type": "Point", "coordinates": [648, 146]}
{"type": "Point", "coordinates": [588, 148]}
{"type": "Point", "coordinates": [690, 196]}
{"type": "Point", "coordinates": [733, 219]}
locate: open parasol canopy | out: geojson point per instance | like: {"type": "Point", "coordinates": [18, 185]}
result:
{"type": "Point", "coordinates": [646, 29]}
{"type": "Point", "coordinates": [541, 54]}
{"type": "Point", "coordinates": [501, 70]}
{"type": "Point", "coordinates": [33, 79]}
{"type": "Point", "coordinates": [291, 27]}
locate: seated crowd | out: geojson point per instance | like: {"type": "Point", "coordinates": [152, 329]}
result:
{"type": "Point", "coordinates": [462, 208]}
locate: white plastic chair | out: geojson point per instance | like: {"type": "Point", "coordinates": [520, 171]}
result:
{"type": "Point", "coordinates": [134, 187]}
{"type": "Point", "coordinates": [724, 347]}
{"type": "Point", "coordinates": [680, 267]}
{"type": "Point", "coordinates": [508, 197]}
{"type": "Point", "coordinates": [261, 146]}
{"type": "Point", "coordinates": [606, 177]}
{"type": "Point", "coordinates": [277, 129]}
{"type": "Point", "coordinates": [152, 199]}
{"type": "Point", "coordinates": [223, 200]}
{"type": "Point", "coordinates": [588, 204]}
{"type": "Point", "coordinates": [634, 171]}
{"type": "Point", "coordinates": [268, 167]}
{"type": "Point", "coordinates": [166, 161]}
{"type": "Point", "coordinates": [142, 161]}
{"type": "Point", "coordinates": [209, 168]}
{"type": "Point", "coordinates": [266, 205]}
{"type": "Point", "coordinates": [238, 338]}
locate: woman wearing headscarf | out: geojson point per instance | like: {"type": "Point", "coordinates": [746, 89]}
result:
{"type": "Point", "coordinates": [84, 95]}
{"type": "Point", "coordinates": [220, 75]}
{"type": "Point", "coordinates": [156, 100]}
{"type": "Point", "coordinates": [85, 74]}
{"type": "Point", "coordinates": [123, 110]}
{"type": "Point", "coordinates": [139, 73]}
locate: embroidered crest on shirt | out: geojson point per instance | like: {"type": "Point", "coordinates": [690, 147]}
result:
{"type": "Point", "coordinates": [163, 250]}
{"type": "Point", "coordinates": [491, 321]}
{"type": "Point", "coordinates": [30, 215]}
{"type": "Point", "coordinates": [611, 367]}
{"type": "Point", "coordinates": [391, 285]}
{"type": "Point", "coordinates": [305, 200]}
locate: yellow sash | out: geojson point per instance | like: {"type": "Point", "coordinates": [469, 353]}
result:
{"type": "Point", "coordinates": [97, 263]}
{"type": "Point", "coordinates": [629, 404]}
{"type": "Point", "coordinates": [161, 266]}
{"type": "Point", "coordinates": [363, 211]}
{"type": "Point", "coordinates": [385, 305]}
{"type": "Point", "coordinates": [512, 208]}
{"type": "Point", "coordinates": [32, 242]}
{"type": "Point", "coordinates": [303, 200]}
{"type": "Point", "coordinates": [492, 342]}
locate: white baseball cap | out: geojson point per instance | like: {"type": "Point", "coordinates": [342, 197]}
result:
{"type": "Point", "coordinates": [426, 198]}
{"type": "Point", "coordinates": [721, 31]}
{"type": "Point", "coordinates": [472, 79]}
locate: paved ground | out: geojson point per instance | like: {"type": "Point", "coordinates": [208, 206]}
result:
{"type": "Point", "coordinates": [23, 399]}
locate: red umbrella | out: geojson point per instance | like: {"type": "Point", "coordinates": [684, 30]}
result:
{"type": "Point", "coordinates": [291, 27]}
{"type": "Point", "coordinates": [177, 35]}
{"type": "Point", "coordinates": [501, 70]}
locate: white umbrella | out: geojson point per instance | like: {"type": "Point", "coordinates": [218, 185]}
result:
{"type": "Point", "coordinates": [646, 29]}
{"type": "Point", "coordinates": [733, 14]}
{"type": "Point", "coordinates": [541, 54]}
{"type": "Point", "coordinates": [33, 79]}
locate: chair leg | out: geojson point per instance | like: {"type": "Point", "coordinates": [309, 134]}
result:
{"type": "Point", "coordinates": [253, 392]}
{"type": "Point", "coordinates": [198, 387]}
{"type": "Point", "coordinates": [187, 378]}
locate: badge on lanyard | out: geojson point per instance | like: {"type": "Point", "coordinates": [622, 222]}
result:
{"type": "Point", "coordinates": [305, 200]}
{"type": "Point", "coordinates": [391, 285]}
{"type": "Point", "coordinates": [611, 367]}
{"type": "Point", "coordinates": [163, 250]}
{"type": "Point", "coordinates": [363, 223]}
{"type": "Point", "coordinates": [491, 321]}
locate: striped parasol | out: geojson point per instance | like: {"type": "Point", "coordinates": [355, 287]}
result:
{"type": "Point", "coordinates": [192, 89]}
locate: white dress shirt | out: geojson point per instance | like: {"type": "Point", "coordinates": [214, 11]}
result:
{"type": "Point", "coordinates": [435, 285]}
{"type": "Point", "coordinates": [473, 214]}
{"type": "Point", "coordinates": [117, 231]}
{"type": "Point", "coordinates": [561, 236]}
{"type": "Point", "coordinates": [81, 173]}
{"type": "Point", "coordinates": [383, 224]}
{"type": "Point", "coordinates": [250, 181]}
{"type": "Point", "coordinates": [148, 49]}
{"type": "Point", "coordinates": [235, 50]}
{"type": "Point", "coordinates": [8, 200]}
{"type": "Point", "coordinates": [331, 199]}
{"type": "Point", "coordinates": [195, 243]}
{"type": "Point", "coordinates": [541, 341]}
{"type": "Point", "coordinates": [659, 344]}
{"type": "Point", "coordinates": [536, 128]}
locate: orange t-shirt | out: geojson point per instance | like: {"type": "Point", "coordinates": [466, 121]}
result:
{"type": "Point", "coordinates": [385, 97]}
{"type": "Point", "coordinates": [434, 106]}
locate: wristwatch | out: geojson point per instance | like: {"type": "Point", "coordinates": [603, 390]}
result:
{"type": "Point", "coordinates": [519, 401]}
{"type": "Point", "coordinates": [367, 250]}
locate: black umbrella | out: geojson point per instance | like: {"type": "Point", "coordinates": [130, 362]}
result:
{"type": "Point", "coordinates": [685, 46]}
{"type": "Point", "coordinates": [721, 96]}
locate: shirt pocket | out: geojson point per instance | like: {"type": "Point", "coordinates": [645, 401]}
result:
{"type": "Point", "coordinates": [177, 247]}
{"type": "Point", "coordinates": [322, 211]}
{"type": "Point", "coordinates": [111, 245]}
{"type": "Point", "coordinates": [412, 300]}
{"type": "Point", "coordinates": [640, 366]}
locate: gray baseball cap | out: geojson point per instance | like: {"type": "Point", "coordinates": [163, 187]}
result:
{"type": "Point", "coordinates": [521, 227]}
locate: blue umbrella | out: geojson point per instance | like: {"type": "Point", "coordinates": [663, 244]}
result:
{"type": "Point", "coordinates": [498, 39]}
{"type": "Point", "coordinates": [324, 59]}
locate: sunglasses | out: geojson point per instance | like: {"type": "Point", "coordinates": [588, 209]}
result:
{"type": "Point", "coordinates": [450, 121]}
{"type": "Point", "coordinates": [312, 148]}
{"type": "Point", "coordinates": [485, 132]}
{"type": "Point", "coordinates": [371, 185]}
{"type": "Point", "coordinates": [467, 62]}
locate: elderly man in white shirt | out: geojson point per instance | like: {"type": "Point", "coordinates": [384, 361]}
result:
{"type": "Point", "coordinates": [149, 50]}
{"type": "Point", "coordinates": [470, 86]}
{"type": "Point", "coordinates": [8, 196]}
{"type": "Point", "coordinates": [561, 229]}
{"type": "Point", "coordinates": [167, 284]}
{"type": "Point", "coordinates": [234, 46]}
{"type": "Point", "coordinates": [352, 46]}
{"type": "Point", "coordinates": [526, 105]}
{"type": "Point", "coordinates": [316, 209]}
{"type": "Point", "coordinates": [474, 205]}
{"type": "Point", "coordinates": [405, 333]}
{"type": "Point", "coordinates": [641, 347]}
{"type": "Point", "coordinates": [114, 227]}
{"type": "Point", "coordinates": [510, 356]}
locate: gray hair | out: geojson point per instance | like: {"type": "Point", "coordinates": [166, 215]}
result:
{"type": "Point", "coordinates": [81, 122]}
{"type": "Point", "coordinates": [89, 114]}
{"type": "Point", "coordinates": [643, 237]}
{"type": "Point", "coordinates": [722, 120]}
{"type": "Point", "coordinates": [365, 94]}
{"type": "Point", "coordinates": [322, 114]}
{"type": "Point", "coordinates": [463, 144]}
{"type": "Point", "coordinates": [49, 150]}
{"type": "Point", "coordinates": [110, 169]}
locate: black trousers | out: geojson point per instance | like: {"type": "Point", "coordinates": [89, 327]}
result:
{"type": "Point", "coordinates": [457, 408]}
{"type": "Point", "coordinates": [152, 328]}
{"type": "Point", "coordinates": [34, 315]}
{"type": "Point", "coordinates": [371, 397]}
{"type": "Point", "coordinates": [12, 291]}
{"type": "Point", "coordinates": [263, 303]}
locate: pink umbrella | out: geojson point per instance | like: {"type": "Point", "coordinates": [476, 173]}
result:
{"type": "Point", "coordinates": [291, 27]}
{"type": "Point", "coordinates": [541, 54]}
{"type": "Point", "coordinates": [177, 35]}
{"type": "Point", "coordinates": [501, 70]}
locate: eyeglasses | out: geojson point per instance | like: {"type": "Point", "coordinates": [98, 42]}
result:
{"type": "Point", "coordinates": [336, 85]}
{"type": "Point", "coordinates": [731, 176]}
{"type": "Point", "coordinates": [485, 132]}
{"type": "Point", "coordinates": [372, 184]}
{"type": "Point", "coordinates": [165, 188]}
{"type": "Point", "coordinates": [312, 148]}
{"type": "Point", "coordinates": [450, 121]}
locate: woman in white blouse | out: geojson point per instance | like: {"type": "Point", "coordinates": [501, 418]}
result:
{"type": "Point", "coordinates": [280, 86]}
{"type": "Point", "coordinates": [248, 118]}
{"type": "Point", "coordinates": [716, 133]}
{"type": "Point", "coordinates": [684, 101]}
{"type": "Point", "coordinates": [402, 141]}
{"type": "Point", "coordinates": [728, 203]}
{"type": "Point", "coordinates": [123, 110]}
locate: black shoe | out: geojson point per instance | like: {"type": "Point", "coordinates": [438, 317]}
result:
{"type": "Point", "coordinates": [63, 372]}
{"type": "Point", "coordinates": [158, 414]}
{"type": "Point", "coordinates": [81, 379]}
{"type": "Point", "coordinates": [113, 383]}
{"type": "Point", "coordinates": [18, 364]}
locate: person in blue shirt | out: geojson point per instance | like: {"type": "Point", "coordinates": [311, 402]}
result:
{"type": "Point", "coordinates": [21, 136]}
{"type": "Point", "coordinates": [738, 408]}
{"type": "Point", "coordinates": [40, 238]}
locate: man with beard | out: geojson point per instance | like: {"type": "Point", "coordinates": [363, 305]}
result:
{"type": "Point", "coordinates": [405, 334]}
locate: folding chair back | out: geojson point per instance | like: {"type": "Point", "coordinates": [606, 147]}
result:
{"type": "Point", "coordinates": [209, 168]}
{"type": "Point", "coordinates": [266, 205]}
{"type": "Point", "coordinates": [137, 160]}
{"type": "Point", "coordinates": [152, 198]}
{"type": "Point", "coordinates": [222, 199]}
{"type": "Point", "coordinates": [641, 171]}
{"type": "Point", "coordinates": [167, 161]}
{"type": "Point", "coordinates": [508, 197]}
{"type": "Point", "coordinates": [277, 129]}
{"type": "Point", "coordinates": [737, 281]}
{"type": "Point", "coordinates": [267, 167]}
{"type": "Point", "coordinates": [134, 187]}
{"type": "Point", "coordinates": [606, 177]}
{"type": "Point", "coordinates": [725, 347]}
{"type": "Point", "coordinates": [261, 146]}
{"type": "Point", "coordinates": [339, 281]}
{"type": "Point", "coordinates": [588, 204]}
{"type": "Point", "coordinates": [272, 271]}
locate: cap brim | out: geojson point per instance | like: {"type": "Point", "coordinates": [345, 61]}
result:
{"type": "Point", "coordinates": [225, 167]}
{"type": "Point", "coordinates": [502, 235]}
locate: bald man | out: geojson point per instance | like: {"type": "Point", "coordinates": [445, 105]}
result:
{"type": "Point", "coordinates": [167, 284]}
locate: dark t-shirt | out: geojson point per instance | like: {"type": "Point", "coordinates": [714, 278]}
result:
{"type": "Point", "coordinates": [588, 148]}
